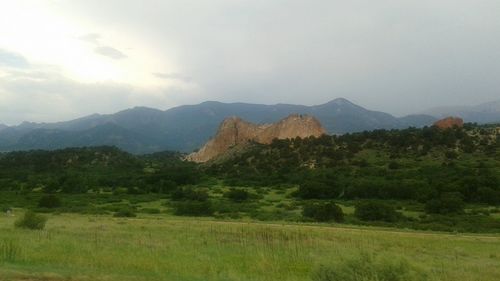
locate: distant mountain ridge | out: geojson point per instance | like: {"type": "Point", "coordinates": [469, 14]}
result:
{"type": "Point", "coordinates": [488, 112]}
{"type": "Point", "coordinates": [185, 128]}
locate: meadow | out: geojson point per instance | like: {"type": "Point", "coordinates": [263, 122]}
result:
{"type": "Point", "coordinates": [163, 247]}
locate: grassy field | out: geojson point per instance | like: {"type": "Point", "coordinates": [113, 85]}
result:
{"type": "Point", "coordinates": [79, 247]}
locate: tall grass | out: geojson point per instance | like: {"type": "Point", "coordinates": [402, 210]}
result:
{"type": "Point", "coordinates": [184, 249]}
{"type": "Point", "coordinates": [10, 250]}
{"type": "Point", "coordinates": [369, 267]}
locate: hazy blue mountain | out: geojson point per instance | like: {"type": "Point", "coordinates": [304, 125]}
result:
{"type": "Point", "coordinates": [484, 113]}
{"type": "Point", "coordinates": [416, 120]}
{"type": "Point", "coordinates": [3, 126]}
{"type": "Point", "coordinates": [184, 128]}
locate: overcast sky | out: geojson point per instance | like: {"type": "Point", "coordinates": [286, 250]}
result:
{"type": "Point", "coordinates": [64, 59]}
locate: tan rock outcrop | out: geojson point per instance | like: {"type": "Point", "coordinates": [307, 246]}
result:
{"type": "Point", "coordinates": [449, 122]}
{"type": "Point", "coordinates": [234, 131]}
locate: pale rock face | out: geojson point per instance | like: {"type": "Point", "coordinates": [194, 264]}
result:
{"type": "Point", "coordinates": [449, 122]}
{"type": "Point", "coordinates": [234, 131]}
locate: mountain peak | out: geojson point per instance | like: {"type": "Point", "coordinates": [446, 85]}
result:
{"type": "Point", "coordinates": [340, 101]}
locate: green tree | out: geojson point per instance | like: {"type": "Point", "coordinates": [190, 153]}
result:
{"type": "Point", "coordinates": [49, 201]}
{"type": "Point", "coordinates": [323, 211]}
{"type": "Point", "coordinates": [375, 211]}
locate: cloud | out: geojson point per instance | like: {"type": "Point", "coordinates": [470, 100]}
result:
{"type": "Point", "coordinates": [384, 55]}
{"type": "Point", "coordinates": [110, 52]}
{"type": "Point", "coordinates": [42, 93]}
{"type": "Point", "coordinates": [172, 76]}
{"type": "Point", "coordinates": [11, 59]}
{"type": "Point", "coordinates": [91, 38]}
{"type": "Point", "coordinates": [107, 51]}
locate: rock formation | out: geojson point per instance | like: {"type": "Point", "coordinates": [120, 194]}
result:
{"type": "Point", "coordinates": [449, 122]}
{"type": "Point", "coordinates": [236, 132]}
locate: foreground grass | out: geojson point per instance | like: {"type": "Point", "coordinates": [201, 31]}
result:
{"type": "Point", "coordinates": [79, 247]}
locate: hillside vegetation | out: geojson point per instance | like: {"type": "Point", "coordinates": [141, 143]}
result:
{"type": "Point", "coordinates": [427, 178]}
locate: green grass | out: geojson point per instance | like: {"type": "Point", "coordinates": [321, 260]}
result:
{"type": "Point", "coordinates": [159, 247]}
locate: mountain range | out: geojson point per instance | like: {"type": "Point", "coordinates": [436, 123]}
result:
{"type": "Point", "coordinates": [186, 128]}
{"type": "Point", "coordinates": [483, 113]}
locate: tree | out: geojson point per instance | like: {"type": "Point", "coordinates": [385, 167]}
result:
{"type": "Point", "coordinates": [447, 203]}
{"type": "Point", "coordinates": [189, 193]}
{"type": "Point", "coordinates": [489, 195]}
{"type": "Point", "coordinates": [316, 190]}
{"type": "Point", "coordinates": [49, 201]}
{"type": "Point", "coordinates": [237, 195]}
{"type": "Point", "coordinates": [375, 211]}
{"type": "Point", "coordinates": [193, 208]}
{"type": "Point", "coordinates": [323, 211]}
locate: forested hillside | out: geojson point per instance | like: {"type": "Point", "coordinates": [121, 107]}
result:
{"type": "Point", "coordinates": [399, 164]}
{"type": "Point", "coordinates": [425, 178]}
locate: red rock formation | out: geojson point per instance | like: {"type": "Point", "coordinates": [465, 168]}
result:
{"type": "Point", "coordinates": [449, 122]}
{"type": "Point", "coordinates": [236, 132]}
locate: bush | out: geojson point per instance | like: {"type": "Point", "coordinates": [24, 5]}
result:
{"type": "Point", "coordinates": [393, 165]}
{"type": "Point", "coordinates": [49, 201]}
{"type": "Point", "coordinates": [125, 213]}
{"type": "Point", "coordinates": [237, 195]}
{"type": "Point", "coordinates": [150, 210]}
{"type": "Point", "coordinates": [375, 211]}
{"type": "Point", "coordinates": [31, 220]}
{"type": "Point", "coordinates": [316, 190]}
{"type": "Point", "coordinates": [324, 211]}
{"type": "Point", "coordinates": [368, 268]}
{"type": "Point", "coordinates": [193, 208]}
{"type": "Point", "coordinates": [447, 203]}
{"type": "Point", "coordinates": [189, 193]}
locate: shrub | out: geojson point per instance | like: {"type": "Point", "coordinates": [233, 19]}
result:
{"type": "Point", "coordinates": [375, 211]}
{"type": "Point", "coordinates": [125, 213]}
{"type": "Point", "coordinates": [31, 220]}
{"type": "Point", "coordinates": [368, 268]}
{"type": "Point", "coordinates": [393, 165]}
{"type": "Point", "coordinates": [49, 201]}
{"type": "Point", "coordinates": [324, 211]}
{"type": "Point", "coordinates": [447, 203]}
{"type": "Point", "coordinates": [150, 210]}
{"type": "Point", "coordinates": [316, 190]}
{"type": "Point", "coordinates": [189, 193]}
{"type": "Point", "coordinates": [237, 195]}
{"type": "Point", "coordinates": [193, 208]}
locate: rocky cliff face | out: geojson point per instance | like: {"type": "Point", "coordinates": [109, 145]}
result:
{"type": "Point", "coordinates": [449, 122]}
{"type": "Point", "coordinates": [236, 132]}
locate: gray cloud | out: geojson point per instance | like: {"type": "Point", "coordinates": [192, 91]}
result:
{"type": "Point", "coordinates": [385, 55]}
{"type": "Point", "coordinates": [172, 76]}
{"type": "Point", "coordinates": [43, 94]}
{"type": "Point", "coordinates": [110, 52]}
{"type": "Point", "coordinates": [11, 59]}
{"type": "Point", "coordinates": [107, 51]}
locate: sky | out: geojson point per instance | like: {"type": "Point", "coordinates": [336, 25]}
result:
{"type": "Point", "coordinates": [65, 59]}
